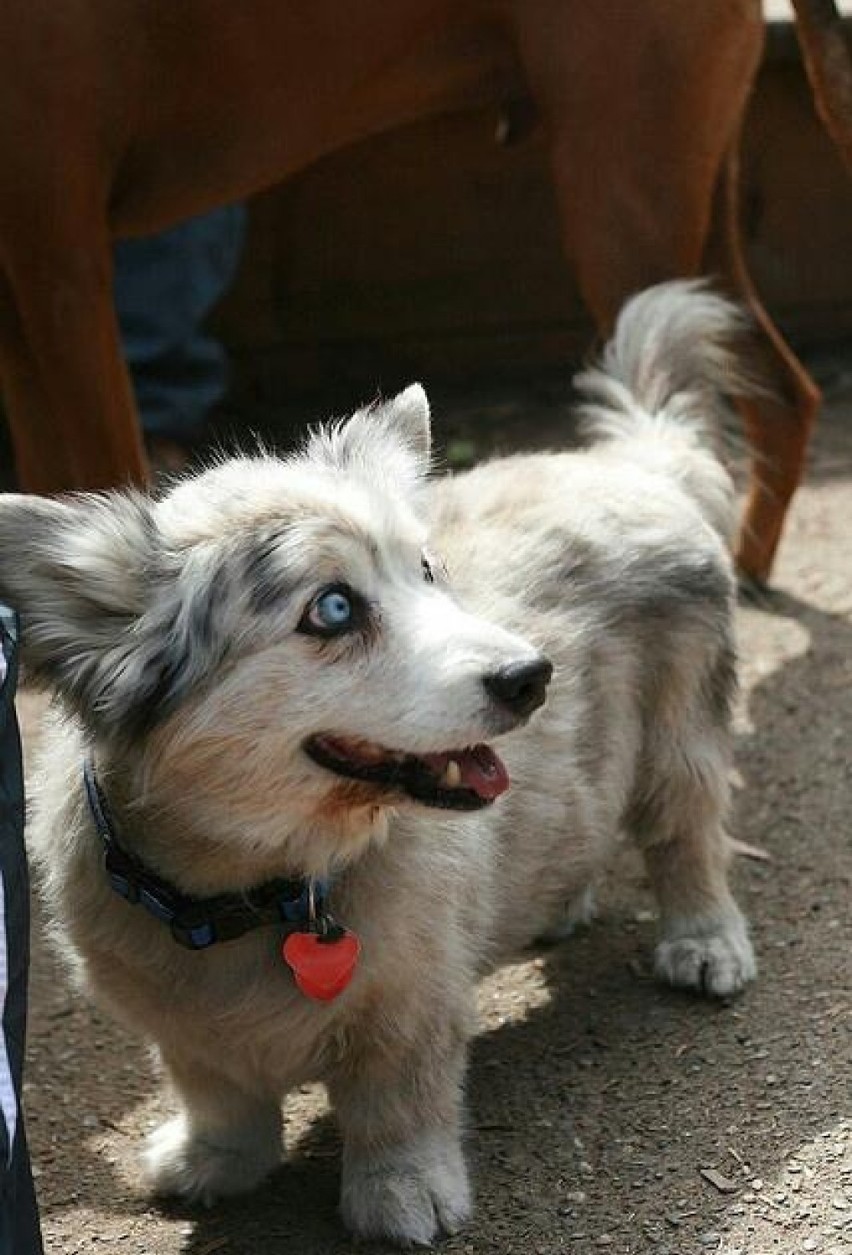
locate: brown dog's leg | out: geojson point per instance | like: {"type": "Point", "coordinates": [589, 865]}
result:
{"type": "Point", "coordinates": [642, 113]}
{"type": "Point", "coordinates": [66, 389]}
{"type": "Point", "coordinates": [778, 426]}
{"type": "Point", "coordinates": [828, 61]}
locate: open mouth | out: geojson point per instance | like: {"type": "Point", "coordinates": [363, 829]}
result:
{"type": "Point", "coordinates": [459, 780]}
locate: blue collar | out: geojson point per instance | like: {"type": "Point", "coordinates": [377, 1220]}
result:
{"type": "Point", "coordinates": [297, 905]}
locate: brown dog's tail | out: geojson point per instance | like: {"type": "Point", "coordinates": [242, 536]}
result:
{"type": "Point", "coordinates": [659, 390]}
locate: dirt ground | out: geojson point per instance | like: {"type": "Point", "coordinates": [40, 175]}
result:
{"type": "Point", "coordinates": [605, 1113]}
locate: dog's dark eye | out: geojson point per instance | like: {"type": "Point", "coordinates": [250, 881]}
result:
{"type": "Point", "coordinates": [332, 612]}
{"type": "Point", "coordinates": [426, 568]}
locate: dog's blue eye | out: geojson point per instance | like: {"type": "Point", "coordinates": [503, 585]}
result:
{"type": "Point", "coordinates": [333, 611]}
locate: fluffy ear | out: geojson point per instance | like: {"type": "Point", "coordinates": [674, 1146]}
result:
{"type": "Point", "coordinates": [75, 572]}
{"type": "Point", "coordinates": [109, 618]}
{"type": "Point", "coordinates": [407, 417]}
{"type": "Point", "coordinates": [391, 438]}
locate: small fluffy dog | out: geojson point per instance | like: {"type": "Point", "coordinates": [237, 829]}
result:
{"type": "Point", "coordinates": [270, 822]}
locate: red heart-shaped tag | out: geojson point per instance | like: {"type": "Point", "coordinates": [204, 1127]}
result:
{"type": "Point", "coordinates": [322, 968]}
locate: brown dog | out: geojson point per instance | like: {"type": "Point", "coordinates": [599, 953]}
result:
{"type": "Point", "coordinates": [123, 116]}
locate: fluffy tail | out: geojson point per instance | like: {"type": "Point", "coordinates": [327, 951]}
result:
{"type": "Point", "coordinates": [660, 385]}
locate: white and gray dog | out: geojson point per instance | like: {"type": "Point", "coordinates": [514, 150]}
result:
{"type": "Point", "coordinates": [269, 819]}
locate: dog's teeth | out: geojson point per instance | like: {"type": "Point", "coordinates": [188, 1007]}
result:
{"type": "Point", "coordinates": [452, 775]}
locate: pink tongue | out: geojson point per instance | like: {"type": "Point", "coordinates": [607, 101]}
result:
{"type": "Point", "coordinates": [481, 770]}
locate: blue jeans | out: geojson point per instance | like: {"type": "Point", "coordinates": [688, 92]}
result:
{"type": "Point", "coordinates": [19, 1226]}
{"type": "Point", "coordinates": [165, 286]}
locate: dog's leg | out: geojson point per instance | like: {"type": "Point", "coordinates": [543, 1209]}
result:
{"type": "Point", "coordinates": [778, 425]}
{"type": "Point", "coordinates": [404, 1175]}
{"type": "Point", "coordinates": [778, 431]}
{"type": "Point", "coordinates": [580, 913]}
{"type": "Point", "coordinates": [225, 1141]}
{"type": "Point", "coordinates": [643, 117]}
{"type": "Point", "coordinates": [67, 393]}
{"type": "Point", "coordinates": [704, 941]}
{"type": "Point", "coordinates": [640, 113]}
{"type": "Point", "coordinates": [677, 817]}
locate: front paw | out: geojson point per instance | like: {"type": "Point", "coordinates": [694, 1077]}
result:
{"type": "Point", "coordinates": [713, 957]}
{"type": "Point", "coordinates": [203, 1168]}
{"type": "Point", "coordinates": [410, 1194]}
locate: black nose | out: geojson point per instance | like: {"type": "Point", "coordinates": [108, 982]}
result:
{"type": "Point", "coordinates": [521, 686]}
